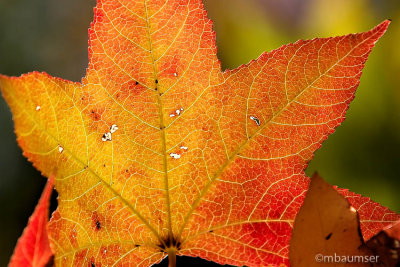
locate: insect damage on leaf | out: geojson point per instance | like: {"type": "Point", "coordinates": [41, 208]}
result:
{"type": "Point", "coordinates": [256, 120]}
{"type": "Point", "coordinates": [208, 163]}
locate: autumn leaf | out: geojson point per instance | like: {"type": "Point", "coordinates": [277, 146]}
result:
{"type": "Point", "coordinates": [394, 230]}
{"type": "Point", "coordinates": [327, 230]}
{"type": "Point", "coordinates": [33, 247]}
{"type": "Point", "coordinates": [386, 244]}
{"type": "Point", "coordinates": [158, 152]}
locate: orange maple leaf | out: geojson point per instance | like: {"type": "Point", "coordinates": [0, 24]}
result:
{"type": "Point", "coordinates": [158, 152]}
{"type": "Point", "coordinates": [33, 247]}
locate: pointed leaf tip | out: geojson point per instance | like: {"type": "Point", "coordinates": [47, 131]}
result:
{"type": "Point", "coordinates": [382, 27]}
{"type": "Point", "coordinates": [386, 23]}
{"type": "Point", "coordinates": [33, 247]}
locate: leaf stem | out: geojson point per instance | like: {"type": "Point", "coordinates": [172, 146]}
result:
{"type": "Point", "coordinates": [171, 256]}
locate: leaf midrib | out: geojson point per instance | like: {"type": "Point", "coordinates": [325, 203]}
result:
{"type": "Point", "coordinates": [162, 130]}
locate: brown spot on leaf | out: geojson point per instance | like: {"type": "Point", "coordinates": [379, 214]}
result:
{"type": "Point", "coordinates": [132, 85]}
{"type": "Point", "coordinates": [98, 225]}
{"type": "Point", "coordinates": [92, 263]}
{"type": "Point", "coordinates": [132, 88]}
{"type": "Point", "coordinates": [328, 236]}
{"type": "Point", "coordinates": [96, 221]}
{"type": "Point", "coordinates": [94, 115]}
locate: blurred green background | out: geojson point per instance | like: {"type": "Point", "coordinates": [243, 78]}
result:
{"type": "Point", "coordinates": [363, 154]}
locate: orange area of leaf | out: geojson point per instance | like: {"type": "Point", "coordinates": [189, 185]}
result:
{"type": "Point", "coordinates": [203, 162]}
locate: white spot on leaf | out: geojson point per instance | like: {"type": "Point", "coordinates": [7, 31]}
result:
{"type": "Point", "coordinates": [60, 149]}
{"type": "Point", "coordinates": [184, 147]}
{"type": "Point", "coordinates": [175, 155]}
{"type": "Point", "coordinates": [176, 113]}
{"type": "Point", "coordinates": [74, 233]}
{"type": "Point", "coordinates": [38, 108]}
{"type": "Point", "coordinates": [106, 137]}
{"type": "Point", "coordinates": [256, 120]}
{"type": "Point", "coordinates": [113, 128]}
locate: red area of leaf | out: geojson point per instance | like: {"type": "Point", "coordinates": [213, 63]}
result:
{"type": "Point", "coordinates": [33, 247]}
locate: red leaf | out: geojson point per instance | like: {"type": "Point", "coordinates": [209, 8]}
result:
{"type": "Point", "coordinates": [386, 245]}
{"type": "Point", "coordinates": [33, 247]}
{"type": "Point", "coordinates": [373, 217]}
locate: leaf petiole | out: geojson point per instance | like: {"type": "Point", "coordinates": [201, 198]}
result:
{"type": "Point", "coordinates": [171, 256]}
